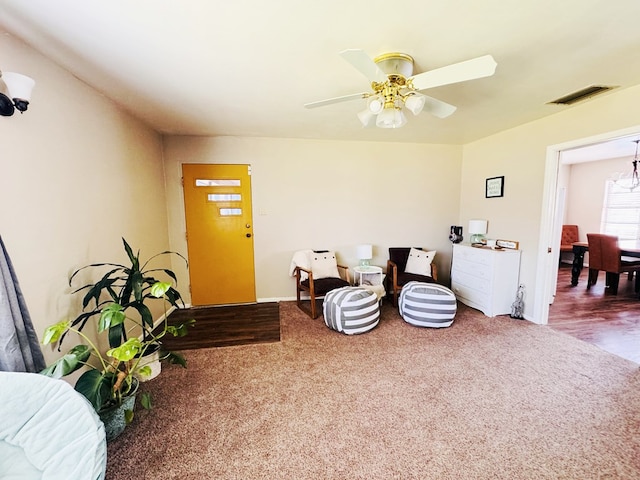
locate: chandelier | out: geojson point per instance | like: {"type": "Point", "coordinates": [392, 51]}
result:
{"type": "Point", "coordinates": [629, 181]}
{"type": "Point", "coordinates": [15, 92]}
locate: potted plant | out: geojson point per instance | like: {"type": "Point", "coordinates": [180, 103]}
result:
{"type": "Point", "coordinates": [119, 302]}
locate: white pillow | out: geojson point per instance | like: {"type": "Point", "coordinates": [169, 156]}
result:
{"type": "Point", "coordinates": [419, 262]}
{"type": "Point", "coordinates": [324, 265]}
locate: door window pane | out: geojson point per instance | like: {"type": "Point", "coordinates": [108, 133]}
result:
{"type": "Point", "coordinates": [205, 182]}
{"type": "Point", "coordinates": [230, 212]}
{"type": "Point", "coordinates": [224, 197]}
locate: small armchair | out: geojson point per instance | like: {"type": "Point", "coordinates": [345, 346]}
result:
{"type": "Point", "coordinates": [605, 254]}
{"type": "Point", "coordinates": [397, 276]}
{"type": "Point", "coordinates": [317, 273]}
{"type": "Point", "coordinates": [569, 237]}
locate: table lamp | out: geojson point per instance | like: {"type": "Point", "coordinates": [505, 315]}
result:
{"type": "Point", "coordinates": [477, 230]}
{"type": "Point", "coordinates": [364, 254]}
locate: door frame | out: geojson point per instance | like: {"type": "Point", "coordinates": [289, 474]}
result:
{"type": "Point", "coordinates": [546, 268]}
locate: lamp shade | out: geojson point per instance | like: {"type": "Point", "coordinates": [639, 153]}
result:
{"type": "Point", "coordinates": [415, 103]}
{"type": "Point", "coordinates": [478, 227]}
{"type": "Point", "coordinates": [364, 252]}
{"type": "Point", "coordinates": [365, 117]}
{"type": "Point", "coordinates": [19, 86]}
{"type": "Point", "coordinates": [391, 118]}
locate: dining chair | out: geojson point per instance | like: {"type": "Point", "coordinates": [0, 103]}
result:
{"type": "Point", "coordinates": [568, 238]}
{"type": "Point", "coordinates": [605, 254]}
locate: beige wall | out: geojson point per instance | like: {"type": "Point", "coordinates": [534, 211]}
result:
{"type": "Point", "coordinates": [586, 190]}
{"type": "Point", "coordinates": [324, 194]}
{"type": "Point", "coordinates": [77, 174]}
{"type": "Point", "coordinates": [520, 154]}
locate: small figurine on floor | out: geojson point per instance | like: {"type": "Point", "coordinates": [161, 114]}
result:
{"type": "Point", "coordinates": [517, 307]}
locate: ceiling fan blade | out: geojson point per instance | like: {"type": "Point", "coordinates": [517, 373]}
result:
{"type": "Point", "coordinates": [458, 72]}
{"type": "Point", "coordinates": [329, 101]}
{"type": "Point", "coordinates": [438, 108]}
{"type": "Point", "coordinates": [364, 64]}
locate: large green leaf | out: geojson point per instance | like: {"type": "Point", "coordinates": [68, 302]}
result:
{"type": "Point", "coordinates": [145, 401]}
{"type": "Point", "coordinates": [137, 284]}
{"type": "Point", "coordinates": [129, 251]}
{"type": "Point", "coordinates": [52, 333]}
{"type": "Point", "coordinates": [96, 387]}
{"type": "Point", "coordinates": [181, 329]}
{"type": "Point", "coordinates": [158, 289]}
{"type": "Point", "coordinates": [69, 363]}
{"type": "Point", "coordinates": [145, 313]}
{"type": "Point", "coordinates": [127, 351]}
{"type": "Point", "coordinates": [112, 315]}
{"type": "Point", "coordinates": [117, 335]}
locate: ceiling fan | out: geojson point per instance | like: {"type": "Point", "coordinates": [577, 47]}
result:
{"type": "Point", "coordinates": [394, 86]}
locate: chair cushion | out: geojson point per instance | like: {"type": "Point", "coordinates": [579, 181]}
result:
{"type": "Point", "coordinates": [324, 264]}
{"type": "Point", "coordinates": [404, 278]}
{"type": "Point", "coordinates": [427, 305]}
{"type": "Point", "coordinates": [351, 310]}
{"type": "Point", "coordinates": [419, 262]}
{"type": "Point", "coordinates": [323, 285]}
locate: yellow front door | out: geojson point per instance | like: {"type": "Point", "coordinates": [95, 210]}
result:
{"type": "Point", "coordinates": [217, 201]}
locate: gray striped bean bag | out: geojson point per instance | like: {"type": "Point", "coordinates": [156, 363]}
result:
{"type": "Point", "coordinates": [351, 310]}
{"type": "Point", "coordinates": [427, 305]}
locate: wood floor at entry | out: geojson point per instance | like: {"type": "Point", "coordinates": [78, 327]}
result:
{"type": "Point", "coordinates": [219, 233]}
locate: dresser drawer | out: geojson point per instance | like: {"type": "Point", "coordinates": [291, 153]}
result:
{"type": "Point", "coordinates": [471, 297]}
{"type": "Point", "coordinates": [474, 255]}
{"type": "Point", "coordinates": [461, 265]}
{"type": "Point", "coordinates": [471, 281]}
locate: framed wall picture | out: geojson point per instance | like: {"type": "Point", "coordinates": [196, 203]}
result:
{"type": "Point", "coordinates": [494, 187]}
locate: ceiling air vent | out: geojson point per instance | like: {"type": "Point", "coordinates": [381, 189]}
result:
{"type": "Point", "coordinates": [581, 95]}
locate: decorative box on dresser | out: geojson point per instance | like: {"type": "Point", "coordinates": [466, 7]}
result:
{"type": "Point", "coordinates": [485, 278]}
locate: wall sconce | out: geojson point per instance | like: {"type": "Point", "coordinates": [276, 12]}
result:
{"type": "Point", "coordinates": [364, 254]}
{"type": "Point", "coordinates": [477, 229]}
{"type": "Point", "coordinates": [15, 92]}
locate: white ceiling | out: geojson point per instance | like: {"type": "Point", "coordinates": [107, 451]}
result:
{"type": "Point", "coordinates": [246, 67]}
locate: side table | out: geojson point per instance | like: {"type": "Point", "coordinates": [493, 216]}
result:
{"type": "Point", "coordinates": [368, 275]}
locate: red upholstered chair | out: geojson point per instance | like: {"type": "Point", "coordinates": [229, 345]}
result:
{"type": "Point", "coordinates": [604, 254]}
{"type": "Point", "coordinates": [569, 237]}
{"type": "Point", "coordinates": [397, 277]}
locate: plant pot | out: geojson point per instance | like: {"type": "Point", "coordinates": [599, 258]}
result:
{"type": "Point", "coordinates": [151, 360]}
{"type": "Point", "coordinates": [114, 418]}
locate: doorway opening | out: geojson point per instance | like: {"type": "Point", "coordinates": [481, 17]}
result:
{"type": "Point", "coordinates": [554, 205]}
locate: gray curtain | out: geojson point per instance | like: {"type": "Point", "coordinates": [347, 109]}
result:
{"type": "Point", "coordinates": [19, 347]}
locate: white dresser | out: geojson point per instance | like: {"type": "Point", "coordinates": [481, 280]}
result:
{"type": "Point", "coordinates": [485, 279]}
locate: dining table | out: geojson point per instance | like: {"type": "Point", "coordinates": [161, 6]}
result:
{"type": "Point", "coordinates": [628, 248]}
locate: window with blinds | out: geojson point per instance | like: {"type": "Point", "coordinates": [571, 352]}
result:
{"type": "Point", "coordinates": [621, 212]}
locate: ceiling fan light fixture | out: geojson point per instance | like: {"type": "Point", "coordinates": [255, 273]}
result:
{"type": "Point", "coordinates": [391, 118]}
{"type": "Point", "coordinates": [365, 117]}
{"type": "Point", "coordinates": [15, 89]}
{"type": "Point", "coordinates": [415, 102]}
{"type": "Point", "coordinates": [375, 104]}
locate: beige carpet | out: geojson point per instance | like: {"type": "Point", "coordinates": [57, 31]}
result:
{"type": "Point", "coordinates": [487, 398]}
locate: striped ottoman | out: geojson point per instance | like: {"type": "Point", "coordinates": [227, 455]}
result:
{"type": "Point", "coordinates": [351, 310]}
{"type": "Point", "coordinates": [427, 305]}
